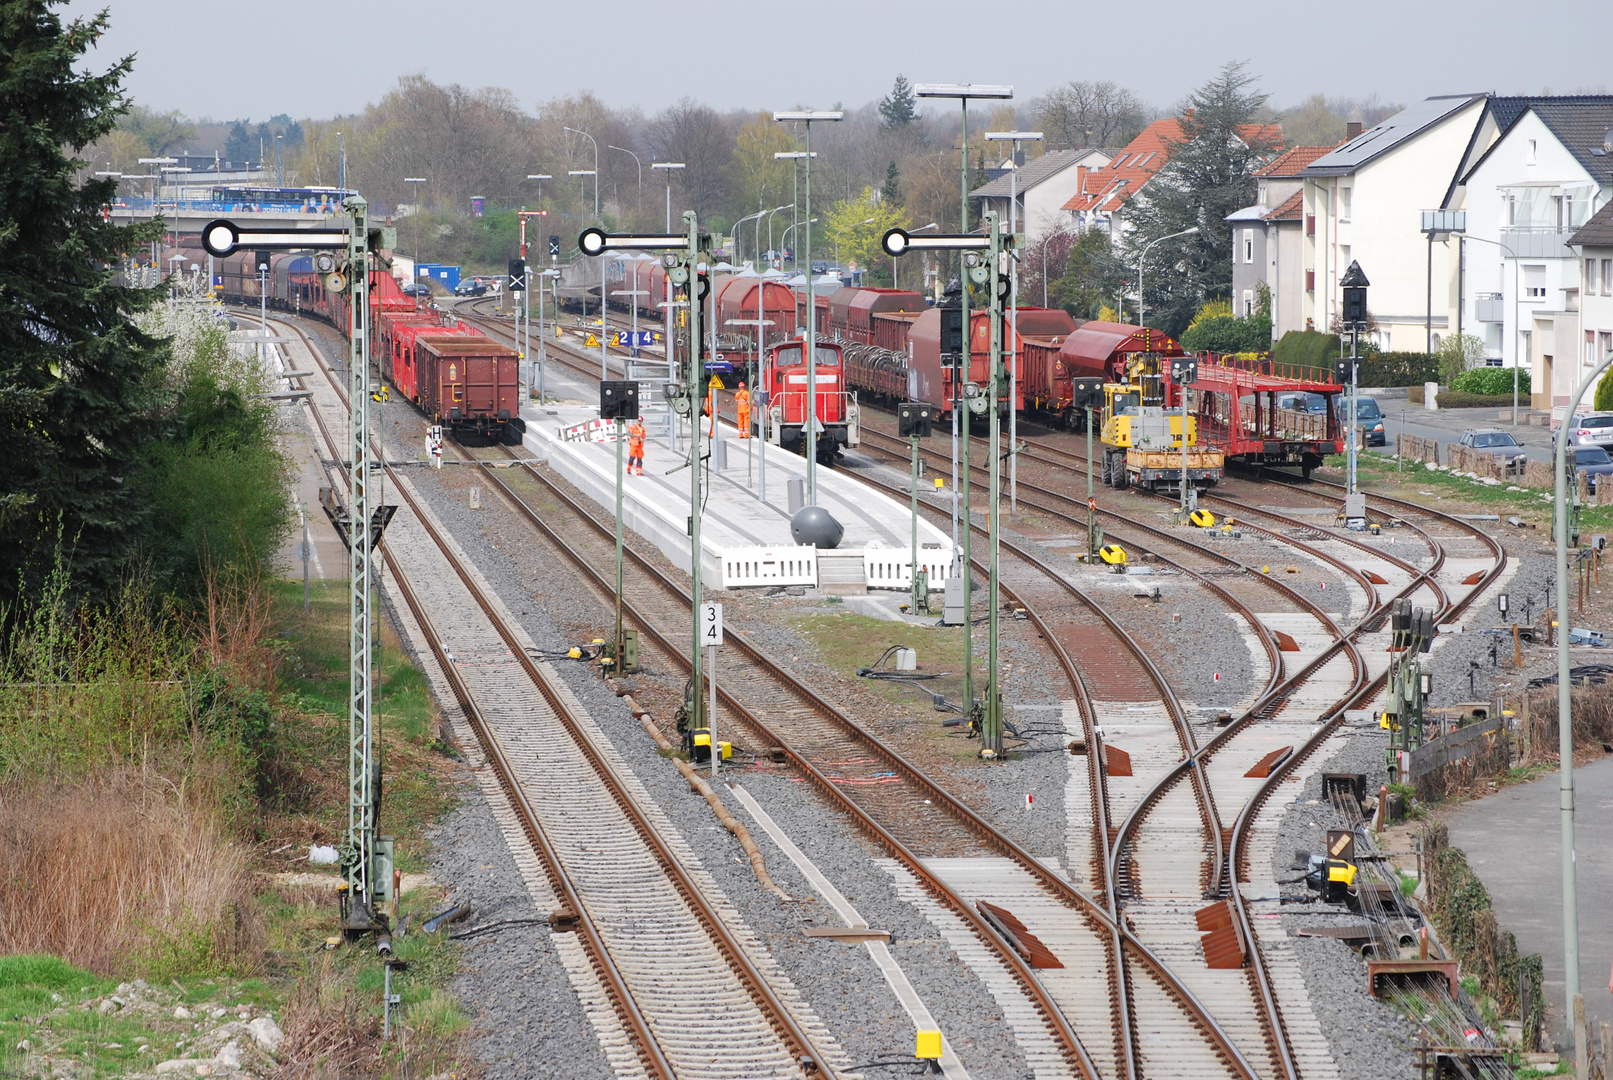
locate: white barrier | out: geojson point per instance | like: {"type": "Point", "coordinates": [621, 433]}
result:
{"type": "Point", "coordinates": [891, 568]}
{"type": "Point", "coordinates": [764, 566]}
{"type": "Point", "coordinates": [592, 431]}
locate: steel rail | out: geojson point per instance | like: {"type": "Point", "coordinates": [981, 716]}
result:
{"type": "Point", "coordinates": [776, 1012]}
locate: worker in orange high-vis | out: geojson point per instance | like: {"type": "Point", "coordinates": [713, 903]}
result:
{"type": "Point", "coordinates": [708, 409]}
{"type": "Point", "coordinates": [742, 403]}
{"type": "Point", "coordinates": [635, 447]}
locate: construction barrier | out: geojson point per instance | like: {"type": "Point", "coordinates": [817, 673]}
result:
{"type": "Point", "coordinates": [891, 568]}
{"type": "Point", "coordinates": [744, 567]}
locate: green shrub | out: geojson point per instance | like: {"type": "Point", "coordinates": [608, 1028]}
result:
{"type": "Point", "coordinates": [1493, 381]}
{"type": "Point", "coordinates": [1228, 334]}
{"type": "Point", "coordinates": [1306, 348]}
{"type": "Point", "coordinates": [1398, 369]}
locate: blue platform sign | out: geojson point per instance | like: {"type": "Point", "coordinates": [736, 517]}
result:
{"type": "Point", "coordinates": [624, 339]}
{"type": "Point", "coordinates": [218, 281]}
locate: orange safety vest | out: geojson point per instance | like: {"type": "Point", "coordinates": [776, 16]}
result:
{"type": "Point", "coordinates": [635, 440]}
{"type": "Point", "coordinates": [742, 401]}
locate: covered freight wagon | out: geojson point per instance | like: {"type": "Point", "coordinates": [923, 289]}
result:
{"type": "Point", "coordinates": [929, 381]}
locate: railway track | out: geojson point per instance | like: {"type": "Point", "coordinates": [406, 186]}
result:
{"type": "Point", "coordinates": [657, 933]}
{"type": "Point", "coordinates": [1148, 843]}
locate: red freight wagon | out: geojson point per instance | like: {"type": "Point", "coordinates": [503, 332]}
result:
{"type": "Point", "coordinates": [399, 332]}
{"type": "Point", "coordinates": [1245, 413]}
{"type": "Point", "coordinates": [867, 303]}
{"type": "Point", "coordinates": [737, 301]}
{"type": "Point", "coordinates": [1102, 349]}
{"type": "Point", "coordinates": [933, 383]}
{"type": "Point", "coordinates": [890, 328]}
{"type": "Point", "coordinates": [470, 385]}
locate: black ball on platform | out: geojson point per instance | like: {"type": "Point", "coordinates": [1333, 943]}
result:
{"type": "Point", "coordinates": [816, 526]}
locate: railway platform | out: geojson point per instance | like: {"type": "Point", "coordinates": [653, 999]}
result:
{"type": "Point", "coordinates": [745, 538]}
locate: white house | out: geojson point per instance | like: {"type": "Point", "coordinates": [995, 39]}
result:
{"type": "Point", "coordinates": [1523, 286]}
{"type": "Point", "coordinates": [1593, 242]}
{"type": "Point", "coordinates": [1041, 188]}
{"type": "Point", "coordinates": [1363, 202]}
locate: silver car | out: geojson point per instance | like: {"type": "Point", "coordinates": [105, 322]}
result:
{"type": "Point", "coordinates": [1593, 429]}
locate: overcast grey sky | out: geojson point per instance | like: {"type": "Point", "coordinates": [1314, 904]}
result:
{"type": "Point", "coordinates": [229, 59]}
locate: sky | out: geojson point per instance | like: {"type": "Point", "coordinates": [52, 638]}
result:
{"type": "Point", "coordinates": [228, 59]}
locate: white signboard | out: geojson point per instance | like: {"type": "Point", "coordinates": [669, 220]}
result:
{"type": "Point", "coordinates": [710, 624]}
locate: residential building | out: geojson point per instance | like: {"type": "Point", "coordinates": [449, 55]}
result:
{"type": "Point", "coordinates": [1362, 202]}
{"type": "Point", "coordinates": [1593, 243]}
{"type": "Point", "coordinates": [1523, 286]}
{"type": "Point", "coordinates": [1101, 194]}
{"type": "Point", "coordinates": [1041, 187]}
{"type": "Point", "coordinates": [1266, 238]}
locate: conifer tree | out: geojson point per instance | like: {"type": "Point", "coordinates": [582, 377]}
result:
{"type": "Point", "coordinates": [80, 384]}
{"type": "Point", "coordinates": [891, 192]}
{"type": "Point", "coordinates": [900, 107]}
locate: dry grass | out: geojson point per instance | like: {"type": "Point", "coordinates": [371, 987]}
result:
{"type": "Point", "coordinates": [327, 1033]}
{"type": "Point", "coordinates": [121, 866]}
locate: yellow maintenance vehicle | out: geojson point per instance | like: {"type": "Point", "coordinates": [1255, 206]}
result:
{"type": "Point", "coordinates": [1142, 436]}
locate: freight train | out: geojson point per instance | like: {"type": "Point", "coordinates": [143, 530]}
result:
{"type": "Point", "coordinates": [456, 375]}
{"type": "Point", "coordinates": [892, 353]}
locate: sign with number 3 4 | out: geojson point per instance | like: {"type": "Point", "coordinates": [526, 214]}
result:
{"type": "Point", "coordinates": [710, 624]}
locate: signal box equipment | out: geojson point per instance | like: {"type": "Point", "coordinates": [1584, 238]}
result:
{"type": "Point", "coordinates": [914, 418]}
{"type": "Point", "coordinates": [618, 400]}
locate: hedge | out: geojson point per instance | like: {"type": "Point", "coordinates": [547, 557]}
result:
{"type": "Point", "coordinates": [1228, 334]}
{"type": "Point", "coordinates": [1320, 352]}
{"type": "Point", "coordinates": [1491, 380]}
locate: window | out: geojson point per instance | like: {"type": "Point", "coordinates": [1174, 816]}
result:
{"type": "Point", "coordinates": [1248, 245]}
{"type": "Point", "coordinates": [1607, 277]}
{"type": "Point", "coordinates": [1590, 276]}
{"type": "Point", "coordinates": [1590, 348]}
{"type": "Point", "coordinates": [1512, 210]}
{"type": "Point", "coordinates": [1344, 204]}
{"type": "Point", "coordinates": [1606, 345]}
{"type": "Point", "coordinates": [1529, 152]}
{"type": "Point", "coordinates": [1248, 308]}
{"type": "Point", "coordinates": [1557, 211]}
{"type": "Point", "coordinates": [1534, 281]}
{"type": "Point", "coordinates": [1310, 281]}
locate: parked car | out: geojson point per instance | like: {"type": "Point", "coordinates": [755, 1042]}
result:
{"type": "Point", "coordinates": [1497, 442]}
{"type": "Point", "coordinates": [1594, 463]}
{"type": "Point", "coordinates": [1300, 401]}
{"type": "Point", "coordinates": [819, 266]}
{"type": "Point", "coordinates": [471, 287]}
{"type": "Point", "coordinates": [1368, 416]}
{"type": "Point", "coordinates": [1594, 429]}
{"type": "Point", "coordinates": [409, 288]}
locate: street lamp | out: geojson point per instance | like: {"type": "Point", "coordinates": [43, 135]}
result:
{"type": "Point", "coordinates": [416, 180]}
{"type": "Point", "coordinates": [841, 231]}
{"type": "Point", "coordinates": [921, 228]}
{"type": "Point", "coordinates": [640, 165]}
{"type": "Point", "coordinates": [756, 217]}
{"type": "Point", "coordinates": [793, 156]}
{"type": "Point", "coordinates": [668, 167]}
{"type": "Point", "coordinates": [809, 117]}
{"type": "Point", "coordinates": [604, 368]}
{"type": "Point", "coordinates": [540, 178]}
{"type": "Point", "coordinates": [595, 173]}
{"type": "Point", "coordinates": [769, 215]}
{"type": "Point", "coordinates": [1014, 137]}
{"type": "Point", "coordinates": [1143, 255]}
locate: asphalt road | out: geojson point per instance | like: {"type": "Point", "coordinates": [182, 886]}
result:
{"type": "Point", "coordinates": [1512, 843]}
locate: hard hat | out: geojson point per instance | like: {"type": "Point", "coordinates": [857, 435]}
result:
{"type": "Point", "coordinates": [742, 386]}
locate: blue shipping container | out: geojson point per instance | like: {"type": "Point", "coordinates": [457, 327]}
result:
{"type": "Point", "coordinates": [446, 276]}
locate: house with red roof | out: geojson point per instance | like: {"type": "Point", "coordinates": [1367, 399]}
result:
{"type": "Point", "coordinates": [1102, 194]}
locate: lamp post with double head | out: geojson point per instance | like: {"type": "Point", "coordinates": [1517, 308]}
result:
{"type": "Point", "coordinates": [668, 167]}
{"type": "Point", "coordinates": [1014, 137]}
{"type": "Point", "coordinates": [964, 93]}
{"type": "Point", "coordinates": [809, 117]}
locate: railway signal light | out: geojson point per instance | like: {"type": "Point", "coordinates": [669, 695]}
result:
{"type": "Point", "coordinates": [1184, 370]}
{"type": "Point", "coordinates": [262, 260]}
{"type": "Point", "coordinates": [517, 282]}
{"type": "Point", "coordinates": [618, 399]}
{"type": "Point", "coordinates": [1347, 369]}
{"type": "Point", "coordinates": [554, 246]}
{"type": "Point", "coordinates": [952, 334]}
{"type": "Point", "coordinates": [1354, 286]}
{"type": "Point", "coordinates": [913, 419]}
{"type": "Point", "coordinates": [1086, 391]}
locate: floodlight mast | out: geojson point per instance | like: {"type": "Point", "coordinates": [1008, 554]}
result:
{"type": "Point", "coordinates": [1015, 137]}
{"type": "Point", "coordinates": [810, 438]}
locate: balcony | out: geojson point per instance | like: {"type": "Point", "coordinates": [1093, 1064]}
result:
{"type": "Point", "coordinates": [1490, 307]}
{"type": "Point", "coordinates": [1539, 243]}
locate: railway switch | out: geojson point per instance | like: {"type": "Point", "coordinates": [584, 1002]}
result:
{"type": "Point", "coordinates": [1202, 518]}
{"type": "Point", "coordinates": [1114, 555]}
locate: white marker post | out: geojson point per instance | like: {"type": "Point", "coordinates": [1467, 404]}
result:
{"type": "Point", "coordinates": [711, 637]}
